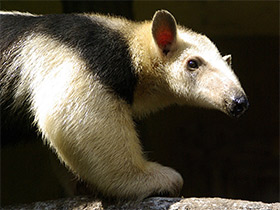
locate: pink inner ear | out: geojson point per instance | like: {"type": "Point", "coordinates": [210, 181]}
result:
{"type": "Point", "coordinates": [164, 37]}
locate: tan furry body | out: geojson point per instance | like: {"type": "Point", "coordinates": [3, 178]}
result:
{"type": "Point", "coordinates": [91, 129]}
{"type": "Point", "coordinates": [99, 146]}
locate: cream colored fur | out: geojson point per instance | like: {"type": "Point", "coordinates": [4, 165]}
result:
{"type": "Point", "coordinates": [16, 13]}
{"type": "Point", "coordinates": [92, 131]}
{"type": "Point", "coordinates": [165, 80]}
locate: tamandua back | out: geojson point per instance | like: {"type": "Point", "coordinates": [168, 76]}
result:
{"type": "Point", "coordinates": [83, 78]}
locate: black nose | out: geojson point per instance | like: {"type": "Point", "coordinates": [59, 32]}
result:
{"type": "Point", "coordinates": [239, 106]}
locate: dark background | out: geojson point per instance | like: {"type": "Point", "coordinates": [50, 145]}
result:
{"type": "Point", "coordinates": [216, 155]}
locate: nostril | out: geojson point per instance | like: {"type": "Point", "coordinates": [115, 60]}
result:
{"type": "Point", "coordinates": [239, 106]}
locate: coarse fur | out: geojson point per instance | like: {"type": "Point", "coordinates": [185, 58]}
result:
{"type": "Point", "coordinates": [85, 77]}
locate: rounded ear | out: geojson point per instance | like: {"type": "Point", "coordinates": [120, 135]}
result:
{"type": "Point", "coordinates": [228, 59]}
{"type": "Point", "coordinates": [164, 30]}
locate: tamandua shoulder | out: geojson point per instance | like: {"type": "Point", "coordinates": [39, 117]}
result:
{"type": "Point", "coordinates": [91, 35]}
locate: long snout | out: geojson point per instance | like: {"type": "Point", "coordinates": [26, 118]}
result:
{"type": "Point", "coordinates": [238, 106]}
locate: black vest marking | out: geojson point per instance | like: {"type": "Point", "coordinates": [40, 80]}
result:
{"type": "Point", "coordinates": [13, 30]}
{"type": "Point", "coordinates": [103, 49]}
{"type": "Point", "coordinates": [16, 124]}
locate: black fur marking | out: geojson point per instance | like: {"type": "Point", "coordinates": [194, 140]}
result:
{"type": "Point", "coordinates": [10, 43]}
{"type": "Point", "coordinates": [103, 49]}
{"type": "Point", "coordinates": [15, 126]}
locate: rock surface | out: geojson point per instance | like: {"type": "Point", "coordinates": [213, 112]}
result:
{"type": "Point", "coordinates": [156, 203]}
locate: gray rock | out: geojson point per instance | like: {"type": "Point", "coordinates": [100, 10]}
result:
{"type": "Point", "coordinates": [155, 203]}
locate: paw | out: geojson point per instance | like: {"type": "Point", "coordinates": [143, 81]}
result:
{"type": "Point", "coordinates": [166, 181]}
{"type": "Point", "coordinates": [152, 180]}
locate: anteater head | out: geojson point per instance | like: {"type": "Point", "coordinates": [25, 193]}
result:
{"type": "Point", "coordinates": [194, 70]}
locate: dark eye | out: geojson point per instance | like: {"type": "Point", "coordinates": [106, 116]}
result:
{"type": "Point", "coordinates": [192, 64]}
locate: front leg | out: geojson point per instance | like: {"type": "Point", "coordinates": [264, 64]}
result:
{"type": "Point", "coordinates": [93, 133]}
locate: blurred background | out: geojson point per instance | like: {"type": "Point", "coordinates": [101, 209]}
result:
{"type": "Point", "coordinates": [216, 155]}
